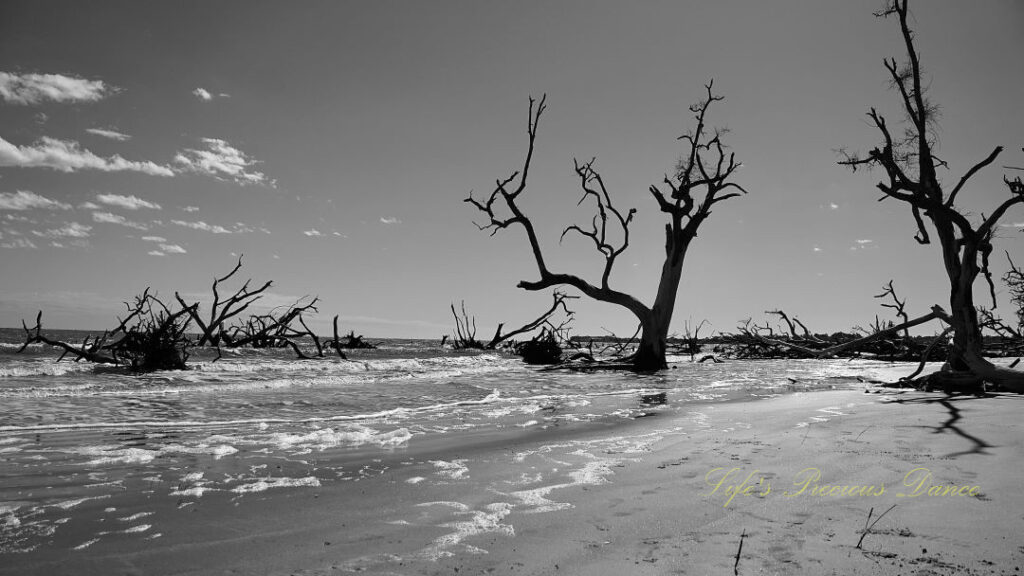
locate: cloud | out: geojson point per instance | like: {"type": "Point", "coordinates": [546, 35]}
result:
{"type": "Point", "coordinates": [69, 230]}
{"type": "Point", "coordinates": [816, 249]}
{"type": "Point", "coordinates": [129, 202]}
{"type": "Point", "coordinates": [18, 243]}
{"type": "Point", "coordinates": [390, 220]}
{"type": "Point", "coordinates": [68, 156]}
{"type": "Point", "coordinates": [89, 206]}
{"type": "Point", "coordinates": [154, 239]}
{"type": "Point", "coordinates": [172, 249]}
{"type": "Point", "coordinates": [156, 253]}
{"type": "Point", "coordinates": [200, 225]}
{"type": "Point", "coordinates": [833, 206]}
{"type": "Point", "coordinates": [24, 200]}
{"type": "Point", "coordinates": [223, 162]}
{"type": "Point", "coordinates": [313, 233]}
{"type": "Point", "coordinates": [864, 241]}
{"type": "Point", "coordinates": [37, 88]}
{"type": "Point", "coordinates": [107, 133]}
{"type": "Point", "coordinates": [108, 218]}
{"type": "Point", "coordinates": [203, 94]}
{"type": "Point", "coordinates": [191, 208]}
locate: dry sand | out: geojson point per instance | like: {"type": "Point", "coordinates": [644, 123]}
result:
{"type": "Point", "coordinates": [643, 504]}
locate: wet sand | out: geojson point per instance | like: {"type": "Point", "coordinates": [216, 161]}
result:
{"type": "Point", "coordinates": [648, 497]}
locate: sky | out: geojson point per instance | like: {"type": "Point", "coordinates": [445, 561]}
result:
{"type": "Point", "coordinates": [149, 143]}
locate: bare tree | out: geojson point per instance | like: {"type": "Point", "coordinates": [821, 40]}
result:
{"type": "Point", "coordinates": [465, 326]}
{"type": "Point", "coordinates": [1014, 279]}
{"type": "Point", "coordinates": [701, 180]}
{"type": "Point", "coordinates": [150, 337]}
{"type": "Point", "coordinates": [213, 329]}
{"type": "Point", "coordinates": [911, 166]}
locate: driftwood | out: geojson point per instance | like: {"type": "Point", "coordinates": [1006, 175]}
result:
{"type": "Point", "coordinates": [465, 325]}
{"type": "Point", "coordinates": [348, 342]}
{"type": "Point", "coordinates": [150, 337]}
{"type": "Point", "coordinates": [154, 337]}
{"type": "Point", "coordinates": [212, 329]}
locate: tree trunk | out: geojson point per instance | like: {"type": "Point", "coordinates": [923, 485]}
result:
{"type": "Point", "coordinates": [650, 354]}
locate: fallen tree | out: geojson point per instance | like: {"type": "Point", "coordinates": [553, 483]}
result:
{"type": "Point", "coordinates": [150, 337]}
{"type": "Point", "coordinates": [153, 336]}
{"type": "Point", "coordinates": [465, 325]}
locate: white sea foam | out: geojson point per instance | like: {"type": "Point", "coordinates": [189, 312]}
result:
{"type": "Point", "coordinates": [483, 521]}
{"type": "Point", "coordinates": [268, 483]}
{"type": "Point", "coordinates": [68, 504]}
{"type": "Point", "coordinates": [108, 455]}
{"type": "Point", "coordinates": [455, 470]}
{"type": "Point", "coordinates": [86, 544]}
{"type": "Point", "coordinates": [135, 517]}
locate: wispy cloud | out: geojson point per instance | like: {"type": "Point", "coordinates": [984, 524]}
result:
{"type": "Point", "coordinates": [69, 230]}
{"type": "Point", "coordinates": [128, 202]}
{"type": "Point", "coordinates": [18, 243]}
{"type": "Point", "coordinates": [313, 233]}
{"type": "Point", "coordinates": [200, 225]}
{"type": "Point", "coordinates": [69, 156]}
{"type": "Point", "coordinates": [203, 94]}
{"type": "Point", "coordinates": [156, 253]}
{"type": "Point", "coordinates": [389, 220]}
{"type": "Point", "coordinates": [172, 249]}
{"type": "Point", "coordinates": [36, 88]}
{"type": "Point", "coordinates": [864, 241]}
{"type": "Point", "coordinates": [109, 218]}
{"type": "Point", "coordinates": [817, 249]}
{"type": "Point", "coordinates": [108, 133]}
{"type": "Point", "coordinates": [25, 200]}
{"type": "Point", "coordinates": [87, 205]}
{"type": "Point", "coordinates": [223, 162]}
{"type": "Point", "coordinates": [833, 206]}
{"type": "Point", "coordinates": [191, 208]}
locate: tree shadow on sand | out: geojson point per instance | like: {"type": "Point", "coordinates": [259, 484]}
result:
{"type": "Point", "coordinates": [978, 445]}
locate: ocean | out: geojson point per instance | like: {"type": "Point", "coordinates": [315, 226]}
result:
{"type": "Point", "coordinates": [93, 456]}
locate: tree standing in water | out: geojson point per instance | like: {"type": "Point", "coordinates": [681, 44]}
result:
{"type": "Point", "coordinates": [703, 178]}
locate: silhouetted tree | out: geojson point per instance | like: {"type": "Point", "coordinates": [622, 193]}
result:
{"type": "Point", "coordinates": [701, 180]}
{"type": "Point", "coordinates": [150, 337]}
{"type": "Point", "coordinates": [911, 166]}
{"type": "Point", "coordinates": [465, 326]}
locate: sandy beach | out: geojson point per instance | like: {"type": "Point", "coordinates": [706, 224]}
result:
{"type": "Point", "coordinates": [794, 477]}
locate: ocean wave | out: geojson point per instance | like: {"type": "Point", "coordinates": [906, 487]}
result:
{"type": "Point", "coordinates": [29, 368]}
{"type": "Point", "coordinates": [383, 414]}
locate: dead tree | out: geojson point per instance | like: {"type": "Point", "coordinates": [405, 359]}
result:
{"type": "Point", "coordinates": [275, 329]}
{"type": "Point", "coordinates": [349, 342]}
{"type": "Point", "coordinates": [898, 305]}
{"type": "Point", "coordinates": [465, 326]}
{"type": "Point", "coordinates": [703, 178]}
{"type": "Point", "coordinates": [1014, 279]}
{"type": "Point", "coordinates": [150, 337]}
{"type": "Point", "coordinates": [213, 329]}
{"type": "Point", "coordinates": [911, 168]}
